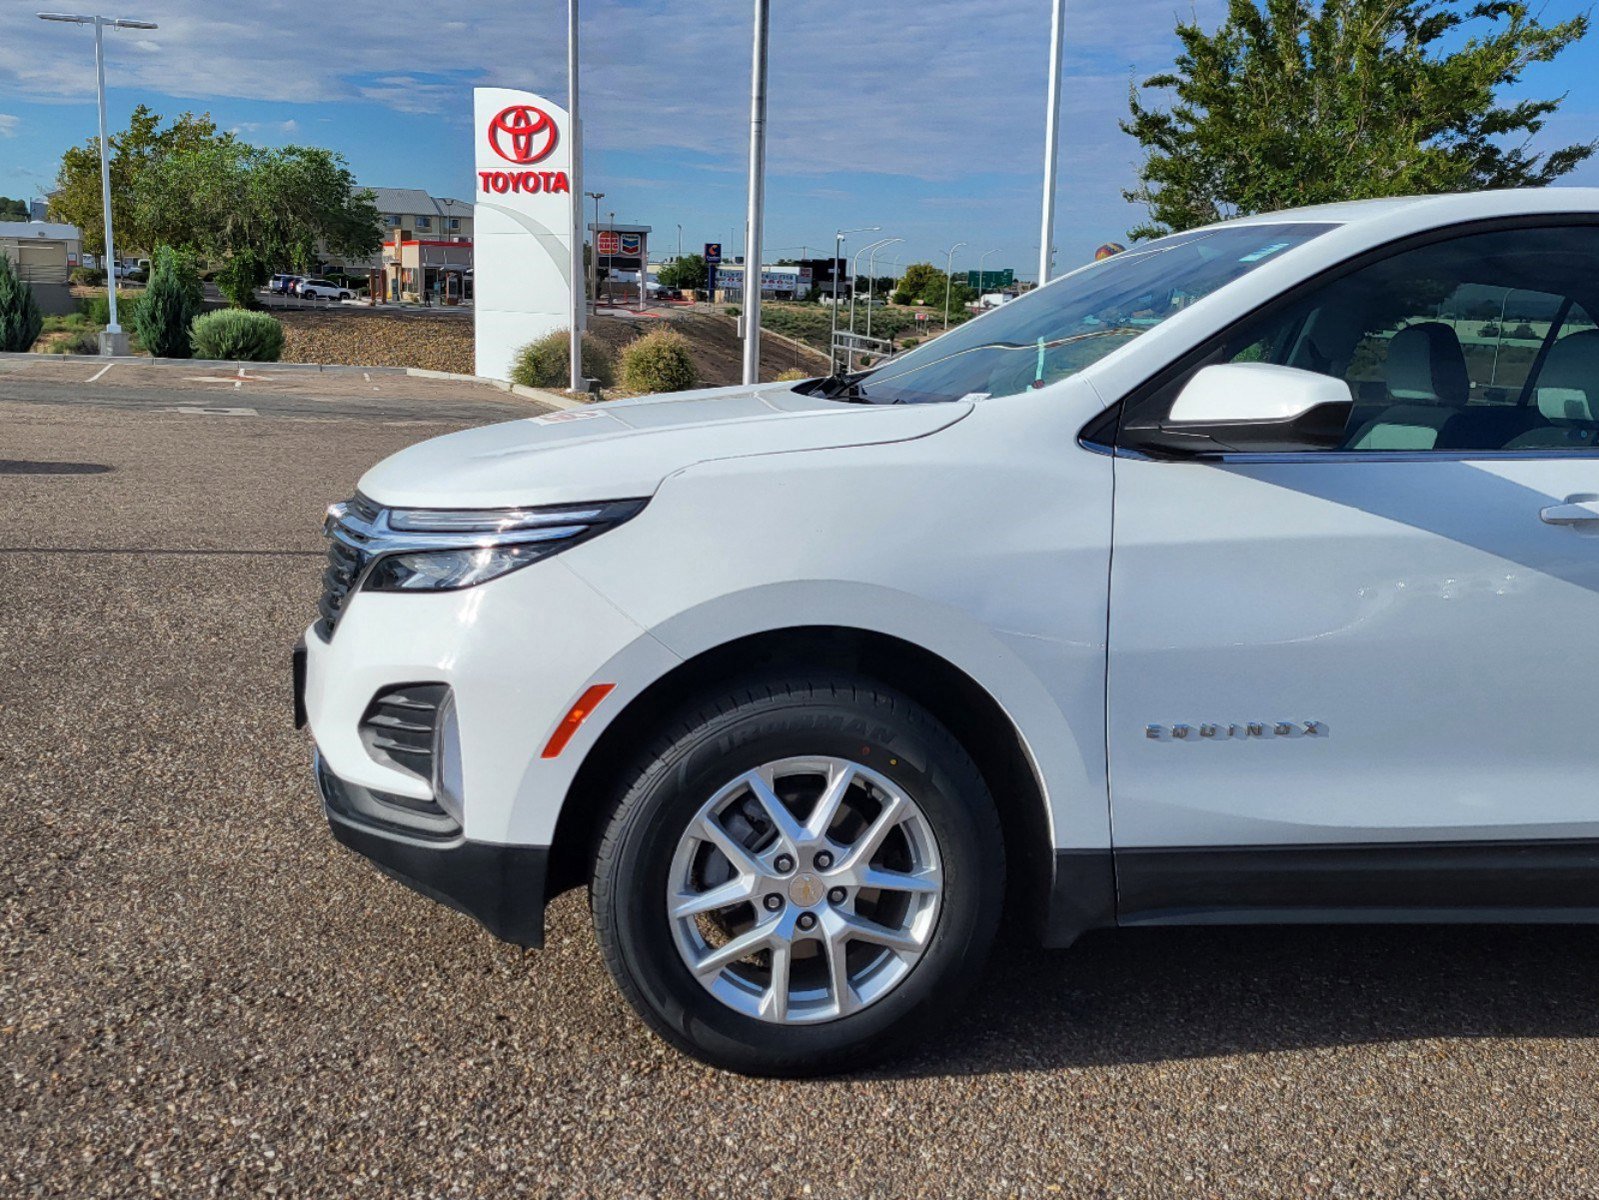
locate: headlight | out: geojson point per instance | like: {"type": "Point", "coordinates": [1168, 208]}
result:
{"type": "Point", "coordinates": [437, 550]}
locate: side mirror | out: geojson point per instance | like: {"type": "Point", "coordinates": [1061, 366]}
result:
{"type": "Point", "coordinates": [1260, 404]}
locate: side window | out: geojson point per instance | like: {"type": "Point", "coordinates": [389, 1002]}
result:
{"type": "Point", "coordinates": [1483, 342]}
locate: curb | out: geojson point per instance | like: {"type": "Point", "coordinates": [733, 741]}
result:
{"type": "Point", "coordinates": [553, 399]}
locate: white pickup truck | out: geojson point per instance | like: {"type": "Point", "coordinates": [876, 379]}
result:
{"type": "Point", "coordinates": [1251, 575]}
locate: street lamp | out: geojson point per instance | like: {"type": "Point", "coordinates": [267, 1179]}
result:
{"type": "Point", "coordinates": [855, 272]}
{"type": "Point", "coordinates": [112, 342]}
{"type": "Point", "coordinates": [981, 259]}
{"type": "Point", "coordinates": [680, 241]}
{"type": "Point", "coordinates": [594, 258]}
{"type": "Point", "coordinates": [949, 265]}
{"type": "Point", "coordinates": [838, 253]}
{"type": "Point", "coordinates": [871, 280]}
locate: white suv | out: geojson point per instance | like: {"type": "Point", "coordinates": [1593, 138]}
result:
{"type": "Point", "coordinates": [1251, 575]}
{"type": "Point", "coordinates": [322, 289]}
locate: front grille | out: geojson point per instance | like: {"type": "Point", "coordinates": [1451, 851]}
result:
{"type": "Point", "coordinates": [398, 728]}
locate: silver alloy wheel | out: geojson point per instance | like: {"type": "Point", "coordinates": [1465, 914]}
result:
{"type": "Point", "coordinates": [805, 890]}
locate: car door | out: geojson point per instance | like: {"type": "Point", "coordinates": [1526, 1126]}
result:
{"type": "Point", "coordinates": [1364, 678]}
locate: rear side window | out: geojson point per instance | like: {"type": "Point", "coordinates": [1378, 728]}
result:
{"type": "Point", "coordinates": [1482, 342]}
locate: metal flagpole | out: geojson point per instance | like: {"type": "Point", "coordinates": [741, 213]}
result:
{"type": "Point", "coordinates": [579, 307]}
{"type": "Point", "coordinates": [1046, 246]}
{"type": "Point", "coordinates": [757, 196]}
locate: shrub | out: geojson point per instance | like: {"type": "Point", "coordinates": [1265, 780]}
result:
{"type": "Point", "coordinates": [88, 276]}
{"type": "Point", "coordinates": [239, 278]}
{"type": "Point", "coordinates": [98, 308]}
{"type": "Point", "coordinates": [546, 363]}
{"type": "Point", "coordinates": [793, 375]}
{"type": "Point", "coordinates": [83, 341]}
{"type": "Point", "coordinates": [169, 305]}
{"type": "Point", "coordinates": [1523, 331]}
{"type": "Point", "coordinates": [1489, 330]}
{"type": "Point", "coordinates": [657, 362]}
{"type": "Point", "coordinates": [20, 320]}
{"type": "Point", "coordinates": [733, 310]}
{"type": "Point", "coordinates": [236, 335]}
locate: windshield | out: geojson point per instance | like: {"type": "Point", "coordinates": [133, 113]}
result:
{"type": "Point", "coordinates": [1058, 330]}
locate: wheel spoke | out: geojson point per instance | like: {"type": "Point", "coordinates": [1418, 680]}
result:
{"type": "Point", "coordinates": [827, 807]}
{"type": "Point", "coordinates": [775, 1002]}
{"type": "Point", "coordinates": [845, 1001]}
{"type": "Point", "coordinates": [742, 860]}
{"type": "Point", "coordinates": [897, 881]}
{"type": "Point", "coordinates": [725, 955]}
{"type": "Point", "coordinates": [859, 928]}
{"type": "Point", "coordinates": [788, 829]}
{"type": "Point", "coordinates": [734, 891]}
{"type": "Point", "coordinates": [868, 844]}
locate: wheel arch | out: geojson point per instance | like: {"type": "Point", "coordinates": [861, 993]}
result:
{"type": "Point", "coordinates": [968, 709]}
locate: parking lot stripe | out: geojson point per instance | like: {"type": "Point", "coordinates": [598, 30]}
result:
{"type": "Point", "coordinates": [101, 372]}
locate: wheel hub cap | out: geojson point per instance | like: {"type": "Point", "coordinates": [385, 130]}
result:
{"type": "Point", "coordinates": [771, 931]}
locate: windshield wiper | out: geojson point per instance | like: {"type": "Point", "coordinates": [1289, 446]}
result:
{"type": "Point", "coordinates": [843, 387]}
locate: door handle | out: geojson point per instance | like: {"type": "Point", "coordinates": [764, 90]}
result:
{"type": "Point", "coordinates": [1577, 510]}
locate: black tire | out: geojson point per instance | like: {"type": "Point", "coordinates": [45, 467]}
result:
{"type": "Point", "coordinates": [705, 747]}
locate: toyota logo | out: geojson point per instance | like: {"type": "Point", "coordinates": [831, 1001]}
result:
{"type": "Point", "coordinates": [523, 134]}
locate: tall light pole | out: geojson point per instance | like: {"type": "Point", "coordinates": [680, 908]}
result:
{"type": "Point", "coordinates": [579, 313]}
{"type": "Point", "coordinates": [680, 241]}
{"type": "Point", "coordinates": [594, 258]}
{"type": "Point", "coordinates": [757, 196]}
{"type": "Point", "coordinates": [871, 282]}
{"type": "Point", "coordinates": [112, 341]}
{"type": "Point", "coordinates": [981, 259]}
{"type": "Point", "coordinates": [855, 272]}
{"type": "Point", "coordinates": [949, 265]}
{"type": "Point", "coordinates": [838, 253]}
{"type": "Point", "coordinates": [1046, 245]}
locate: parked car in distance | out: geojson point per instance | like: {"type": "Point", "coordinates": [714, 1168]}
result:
{"type": "Point", "coordinates": [323, 289]}
{"type": "Point", "coordinates": [283, 285]}
{"type": "Point", "coordinates": [817, 686]}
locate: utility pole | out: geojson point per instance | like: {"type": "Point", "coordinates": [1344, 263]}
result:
{"type": "Point", "coordinates": [949, 265]}
{"type": "Point", "coordinates": [579, 307]}
{"type": "Point", "coordinates": [757, 196]}
{"type": "Point", "coordinates": [1046, 246]}
{"type": "Point", "coordinates": [112, 341]}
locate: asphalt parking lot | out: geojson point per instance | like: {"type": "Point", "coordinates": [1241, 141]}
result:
{"type": "Point", "coordinates": [203, 995]}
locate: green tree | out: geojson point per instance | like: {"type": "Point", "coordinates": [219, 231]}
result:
{"type": "Point", "coordinates": [922, 283]}
{"type": "Point", "coordinates": [134, 151]}
{"type": "Point", "coordinates": [287, 206]}
{"type": "Point", "coordinates": [170, 303]}
{"type": "Point", "coordinates": [687, 272]}
{"type": "Point", "coordinates": [13, 210]}
{"type": "Point", "coordinates": [20, 320]}
{"type": "Point", "coordinates": [1294, 102]}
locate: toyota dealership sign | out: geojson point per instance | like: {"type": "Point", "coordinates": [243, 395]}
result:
{"type": "Point", "coordinates": [523, 223]}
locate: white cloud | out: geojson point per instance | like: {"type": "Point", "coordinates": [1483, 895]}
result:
{"type": "Point", "coordinates": [8, 125]}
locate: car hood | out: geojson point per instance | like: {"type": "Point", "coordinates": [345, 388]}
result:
{"type": "Point", "coordinates": [625, 448]}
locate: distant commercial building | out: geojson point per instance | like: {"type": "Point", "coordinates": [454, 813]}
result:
{"type": "Point", "coordinates": [412, 215]}
{"type": "Point", "coordinates": [40, 251]}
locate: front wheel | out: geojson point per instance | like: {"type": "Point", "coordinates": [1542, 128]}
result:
{"type": "Point", "coordinates": [802, 876]}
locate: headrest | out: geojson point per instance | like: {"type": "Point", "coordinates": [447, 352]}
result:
{"type": "Point", "coordinates": [1568, 385]}
{"type": "Point", "coordinates": [1426, 365]}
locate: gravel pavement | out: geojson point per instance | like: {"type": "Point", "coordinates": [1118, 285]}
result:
{"type": "Point", "coordinates": [202, 994]}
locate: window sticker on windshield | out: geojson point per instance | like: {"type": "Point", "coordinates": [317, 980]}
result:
{"type": "Point", "coordinates": [975, 396]}
{"type": "Point", "coordinates": [1264, 252]}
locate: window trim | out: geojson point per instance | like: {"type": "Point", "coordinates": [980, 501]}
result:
{"type": "Point", "coordinates": [1094, 432]}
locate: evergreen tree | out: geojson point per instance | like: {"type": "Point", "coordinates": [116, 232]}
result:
{"type": "Point", "coordinates": [20, 321]}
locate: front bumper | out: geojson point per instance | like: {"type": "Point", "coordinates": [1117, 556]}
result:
{"type": "Point", "coordinates": [501, 887]}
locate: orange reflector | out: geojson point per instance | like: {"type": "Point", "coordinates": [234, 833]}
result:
{"type": "Point", "coordinates": [586, 704]}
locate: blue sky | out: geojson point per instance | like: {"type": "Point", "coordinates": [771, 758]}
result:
{"type": "Point", "coordinates": [923, 117]}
